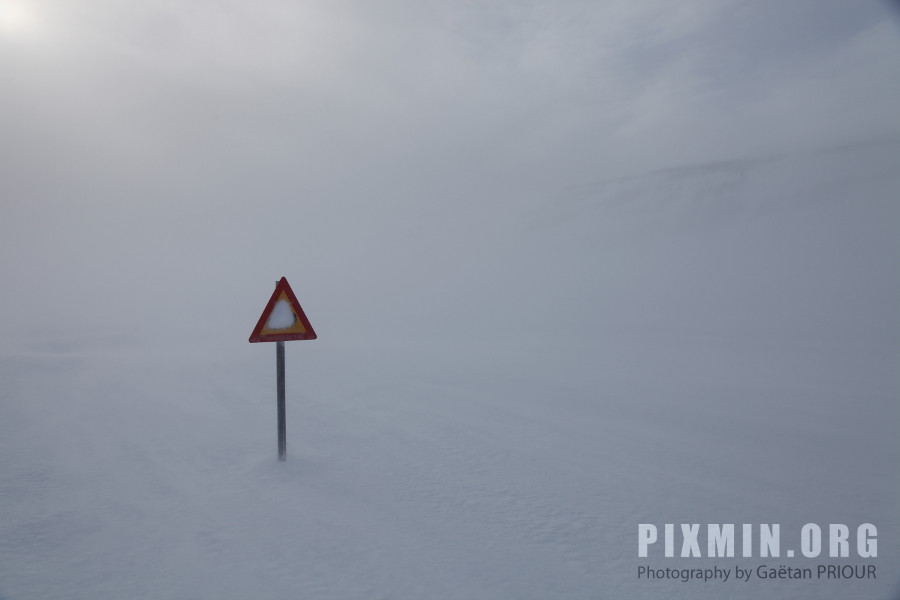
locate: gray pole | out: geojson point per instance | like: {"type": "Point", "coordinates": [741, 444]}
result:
{"type": "Point", "coordinates": [282, 427]}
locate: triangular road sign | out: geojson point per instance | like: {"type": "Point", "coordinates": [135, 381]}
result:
{"type": "Point", "coordinates": [283, 319]}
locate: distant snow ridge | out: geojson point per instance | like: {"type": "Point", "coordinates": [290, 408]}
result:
{"type": "Point", "coordinates": [726, 189]}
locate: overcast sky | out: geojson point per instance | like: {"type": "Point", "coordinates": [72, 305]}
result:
{"type": "Point", "coordinates": [203, 145]}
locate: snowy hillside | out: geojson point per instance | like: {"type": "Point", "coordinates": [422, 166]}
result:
{"type": "Point", "coordinates": [502, 391]}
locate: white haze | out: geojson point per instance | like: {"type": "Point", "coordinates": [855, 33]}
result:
{"type": "Point", "coordinates": [160, 161]}
{"type": "Point", "coordinates": [573, 266]}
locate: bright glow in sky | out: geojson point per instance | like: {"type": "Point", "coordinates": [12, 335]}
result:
{"type": "Point", "coordinates": [17, 18]}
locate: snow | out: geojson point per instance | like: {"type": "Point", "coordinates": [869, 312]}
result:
{"type": "Point", "coordinates": [282, 316]}
{"type": "Point", "coordinates": [707, 345]}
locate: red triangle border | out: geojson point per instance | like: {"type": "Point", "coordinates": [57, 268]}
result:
{"type": "Point", "coordinates": [258, 336]}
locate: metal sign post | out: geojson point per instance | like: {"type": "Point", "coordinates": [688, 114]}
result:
{"type": "Point", "coordinates": [282, 421]}
{"type": "Point", "coordinates": [282, 320]}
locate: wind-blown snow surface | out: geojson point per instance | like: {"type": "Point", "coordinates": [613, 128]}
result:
{"type": "Point", "coordinates": [713, 344]}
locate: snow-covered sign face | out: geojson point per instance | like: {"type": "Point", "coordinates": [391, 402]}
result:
{"type": "Point", "coordinates": [282, 316]}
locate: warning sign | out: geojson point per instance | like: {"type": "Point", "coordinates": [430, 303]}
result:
{"type": "Point", "coordinates": [283, 319]}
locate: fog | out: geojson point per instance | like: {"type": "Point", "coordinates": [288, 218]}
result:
{"type": "Point", "coordinates": [162, 165]}
{"type": "Point", "coordinates": [573, 266]}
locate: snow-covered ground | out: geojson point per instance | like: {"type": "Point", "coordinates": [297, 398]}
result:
{"type": "Point", "coordinates": [710, 344]}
